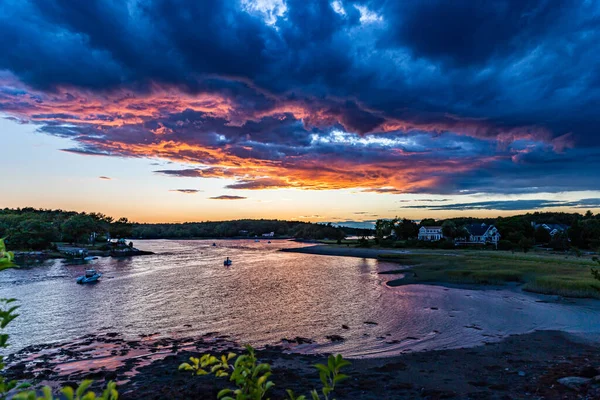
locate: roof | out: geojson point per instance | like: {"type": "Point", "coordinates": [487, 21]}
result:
{"type": "Point", "coordinates": [560, 227]}
{"type": "Point", "coordinates": [477, 229]}
{"type": "Point", "coordinates": [431, 227]}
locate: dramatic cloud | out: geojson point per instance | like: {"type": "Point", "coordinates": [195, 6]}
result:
{"type": "Point", "coordinates": [226, 197]}
{"type": "Point", "coordinates": [379, 96]}
{"type": "Point", "coordinates": [512, 205]}
{"type": "Point", "coordinates": [186, 191]}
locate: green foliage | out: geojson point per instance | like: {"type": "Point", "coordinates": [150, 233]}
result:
{"type": "Point", "coordinates": [37, 229]}
{"type": "Point", "coordinates": [406, 229]}
{"type": "Point", "coordinates": [6, 257]}
{"type": "Point", "coordinates": [68, 393]}
{"type": "Point", "coordinates": [252, 378]}
{"type": "Point", "coordinates": [78, 228]}
{"type": "Point", "coordinates": [7, 314]}
{"type": "Point", "coordinates": [121, 228]}
{"type": "Point", "coordinates": [208, 364]}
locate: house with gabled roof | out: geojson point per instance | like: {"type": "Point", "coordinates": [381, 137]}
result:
{"type": "Point", "coordinates": [430, 233]}
{"type": "Point", "coordinates": [553, 229]}
{"type": "Point", "coordinates": [480, 234]}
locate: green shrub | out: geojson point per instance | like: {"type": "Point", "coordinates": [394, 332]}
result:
{"type": "Point", "coordinates": [252, 378]}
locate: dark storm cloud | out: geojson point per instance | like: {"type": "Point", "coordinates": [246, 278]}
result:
{"type": "Point", "coordinates": [468, 33]}
{"type": "Point", "coordinates": [499, 96]}
{"type": "Point", "coordinates": [512, 205]}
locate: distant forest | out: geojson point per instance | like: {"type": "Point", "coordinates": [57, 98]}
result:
{"type": "Point", "coordinates": [245, 228]}
{"type": "Point", "coordinates": [37, 229]}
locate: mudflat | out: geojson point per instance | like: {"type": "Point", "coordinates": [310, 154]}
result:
{"type": "Point", "coordinates": [520, 367]}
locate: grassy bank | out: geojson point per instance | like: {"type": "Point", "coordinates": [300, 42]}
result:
{"type": "Point", "coordinates": [541, 273]}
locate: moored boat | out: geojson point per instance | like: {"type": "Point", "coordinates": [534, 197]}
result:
{"type": "Point", "coordinates": [227, 262]}
{"type": "Point", "coordinates": [91, 276]}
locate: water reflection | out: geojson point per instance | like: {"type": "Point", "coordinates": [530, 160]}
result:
{"type": "Point", "coordinates": [267, 295]}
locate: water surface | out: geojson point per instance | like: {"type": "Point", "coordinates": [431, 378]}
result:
{"type": "Point", "coordinates": [266, 295]}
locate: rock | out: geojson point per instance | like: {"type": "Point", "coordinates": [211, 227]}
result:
{"type": "Point", "coordinates": [298, 340]}
{"type": "Point", "coordinates": [335, 338]}
{"type": "Point", "coordinates": [371, 323]}
{"type": "Point", "coordinates": [345, 327]}
{"type": "Point", "coordinates": [574, 382]}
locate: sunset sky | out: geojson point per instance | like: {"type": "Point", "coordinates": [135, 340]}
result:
{"type": "Point", "coordinates": [324, 111]}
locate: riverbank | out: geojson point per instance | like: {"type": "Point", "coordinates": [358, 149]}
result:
{"type": "Point", "coordinates": [522, 366]}
{"type": "Point", "coordinates": [562, 275]}
{"type": "Point", "coordinates": [27, 257]}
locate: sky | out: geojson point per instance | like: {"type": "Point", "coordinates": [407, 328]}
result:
{"type": "Point", "coordinates": [326, 111]}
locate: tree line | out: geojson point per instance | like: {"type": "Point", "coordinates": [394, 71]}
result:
{"type": "Point", "coordinates": [37, 229]}
{"type": "Point", "coordinates": [243, 228]}
{"type": "Point", "coordinates": [519, 231]}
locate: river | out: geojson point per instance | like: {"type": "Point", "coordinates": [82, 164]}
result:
{"type": "Point", "coordinates": [266, 295]}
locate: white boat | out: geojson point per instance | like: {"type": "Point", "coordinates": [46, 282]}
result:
{"type": "Point", "coordinates": [90, 276]}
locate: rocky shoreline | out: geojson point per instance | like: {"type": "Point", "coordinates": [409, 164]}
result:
{"type": "Point", "coordinates": [39, 256]}
{"type": "Point", "coordinates": [540, 365]}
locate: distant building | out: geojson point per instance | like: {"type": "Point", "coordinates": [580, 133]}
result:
{"type": "Point", "coordinates": [270, 234]}
{"type": "Point", "coordinates": [430, 233]}
{"type": "Point", "coordinates": [480, 234]}
{"type": "Point", "coordinates": [553, 229]}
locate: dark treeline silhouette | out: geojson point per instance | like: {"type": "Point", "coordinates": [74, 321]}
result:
{"type": "Point", "coordinates": [244, 228]}
{"type": "Point", "coordinates": [37, 229]}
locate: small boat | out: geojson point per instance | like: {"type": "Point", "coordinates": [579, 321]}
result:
{"type": "Point", "coordinates": [90, 276]}
{"type": "Point", "coordinates": [214, 244]}
{"type": "Point", "coordinates": [256, 240]}
{"type": "Point", "coordinates": [269, 241]}
{"type": "Point", "coordinates": [227, 262]}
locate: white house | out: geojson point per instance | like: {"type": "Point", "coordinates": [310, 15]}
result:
{"type": "Point", "coordinates": [270, 234]}
{"type": "Point", "coordinates": [481, 234]}
{"type": "Point", "coordinates": [553, 229]}
{"type": "Point", "coordinates": [430, 233]}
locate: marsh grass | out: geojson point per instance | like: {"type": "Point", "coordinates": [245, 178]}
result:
{"type": "Point", "coordinates": [541, 273]}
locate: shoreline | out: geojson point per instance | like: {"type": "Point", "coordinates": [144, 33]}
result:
{"type": "Point", "coordinates": [40, 256]}
{"type": "Point", "coordinates": [450, 268]}
{"type": "Point", "coordinates": [519, 366]}
{"type": "Point", "coordinates": [340, 251]}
